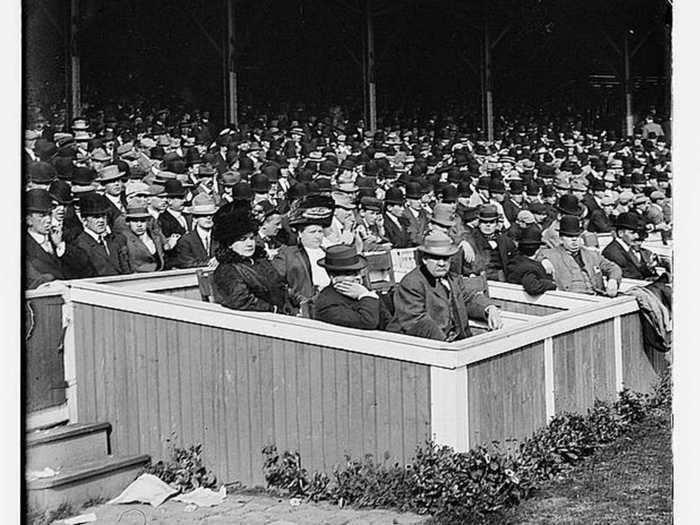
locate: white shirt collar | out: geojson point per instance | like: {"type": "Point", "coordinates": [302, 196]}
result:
{"type": "Point", "coordinates": [624, 245]}
{"type": "Point", "coordinates": [40, 239]}
{"type": "Point", "coordinates": [94, 235]}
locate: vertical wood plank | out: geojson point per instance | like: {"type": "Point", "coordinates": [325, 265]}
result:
{"type": "Point", "coordinates": [617, 348]}
{"type": "Point", "coordinates": [279, 395]}
{"type": "Point", "coordinates": [184, 349]}
{"type": "Point", "coordinates": [266, 384]}
{"type": "Point", "coordinates": [164, 374]}
{"type": "Point", "coordinates": [244, 405]}
{"type": "Point", "coordinates": [548, 357]}
{"type": "Point", "coordinates": [139, 407]}
{"type": "Point", "coordinates": [410, 433]}
{"type": "Point", "coordinates": [422, 396]}
{"type": "Point", "coordinates": [291, 398]}
{"type": "Point", "coordinates": [317, 459]}
{"type": "Point", "coordinates": [356, 445]}
{"type": "Point", "coordinates": [329, 394]}
{"type": "Point", "coordinates": [394, 412]}
{"type": "Point", "coordinates": [303, 401]}
{"type": "Point", "coordinates": [369, 406]}
{"type": "Point", "coordinates": [342, 404]}
{"type": "Point", "coordinates": [231, 404]}
{"type": "Point", "coordinates": [382, 407]}
{"type": "Point", "coordinates": [104, 360]}
{"type": "Point", "coordinates": [207, 380]}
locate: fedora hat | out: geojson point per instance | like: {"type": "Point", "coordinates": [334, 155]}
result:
{"type": "Point", "coordinates": [443, 215]}
{"type": "Point", "coordinates": [569, 205]}
{"type": "Point", "coordinates": [344, 258]}
{"type": "Point", "coordinates": [230, 178]}
{"type": "Point", "coordinates": [488, 213]}
{"type": "Point", "coordinates": [38, 201]}
{"type": "Point", "coordinates": [570, 226]}
{"type": "Point", "coordinates": [439, 244]}
{"type": "Point", "coordinates": [470, 213]}
{"type": "Point", "coordinates": [137, 210]}
{"type": "Point", "coordinates": [449, 194]}
{"type": "Point", "coordinates": [109, 173]}
{"type": "Point", "coordinates": [202, 205]}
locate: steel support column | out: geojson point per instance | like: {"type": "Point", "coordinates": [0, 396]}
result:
{"type": "Point", "coordinates": [231, 65]}
{"type": "Point", "coordinates": [371, 87]}
{"type": "Point", "coordinates": [75, 107]}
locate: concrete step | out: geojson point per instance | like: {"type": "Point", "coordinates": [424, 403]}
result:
{"type": "Point", "coordinates": [67, 445]}
{"type": "Point", "coordinates": [79, 483]}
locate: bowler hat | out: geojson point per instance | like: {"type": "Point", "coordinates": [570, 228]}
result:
{"type": "Point", "coordinates": [42, 173]}
{"type": "Point", "coordinates": [538, 208]}
{"type": "Point", "coordinates": [260, 183]}
{"type": "Point", "coordinates": [38, 200]}
{"type": "Point", "coordinates": [516, 187]}
{"type": "Point", "coordinates": [530, 236]}
{"type": "Point", "coordinates": [394, 195]}
{"type": "Point", "coordinates": [371, 203]}
{"type": "Point", "coordinates": [449, 194]}
{"type": "Point", "coordinates": [483, 183]}
{"type": "Point", "coordinates": [414, 190]}
{"type": "Point", "coordinates": [328, 168]}
{"type": "Point", "coordinates": [443, 215]}
{"type": "Point", "coordinates": [532, 189]}
{"type": "Point", "coordinates": [497, 186]}
{"type": "Point", "coordinates": [470, 213]}
{"type": "Point", "coordinates": [83, 179]}
{"type": "Point", "coordinates": [174, 188]}
{"type": "Point", "coordinates": [93, 204]}
{"type": "Point", "coordinates": [570, 226]}
{"type": "Point", "coordinates": [597, 185]}
{"type": "Point", "coordinates": [569, 205]}
{"type": "Point", "coordinates": [342, 257]}
{"type": "Point", "coordinates": [242, 191]}
{"type": "Point", "coordinates": [60, 192]}
{"type": "Point", "coordinates": [628, 221]}
{"type": "Point", "coordinates": [488, 213]}
{"type": "Point", "coordinates": [64, 167]}
{"type": "Point", "coordinates": [439, 244]}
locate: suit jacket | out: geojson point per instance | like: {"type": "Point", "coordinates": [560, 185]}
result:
{"type": "Point", "coordinates": [95, 261]}
{"type": "Point", "coordinates": [511, 209]}
{"type": "Point", "coordinates": [571, 278]}
{"type": "Point", "coordinates": [398, 235]}
{"type": "Point", "coordinates": [599, 222]}
{"type": "Point", "coordinates": [113, 213]}
{"type": "Point", "coordinates": [42, 267]}
{"type": "Point", "coordinates": [368, 313]}
{"type": "Point", "coordinates": [293, 264]}
{"type": "Point", "coordinates": [416, 226]}
{"type": "Point", "coordinates": [590, 203]}
{"type": "Point", "coordinates": [170, 225]}
{"type": "Point", "coordinates": [631, 269]}
{"type": "Point", "coordinates": [530, 273]}
{"type": "Point", "coordinates": [505, 247]}
{"type": "Point", "coordinates": [140, 258]}
{"type": "Point", "coordinates": [423, 307]}
{"type": "Point", "coordinates": [190, 252]}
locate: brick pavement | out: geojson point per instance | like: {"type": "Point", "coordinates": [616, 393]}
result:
{"type": "Point", "coordinates": [249, 510]}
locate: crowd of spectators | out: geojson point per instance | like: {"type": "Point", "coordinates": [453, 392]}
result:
{"type": "Point", "coordinates": [282, 208]}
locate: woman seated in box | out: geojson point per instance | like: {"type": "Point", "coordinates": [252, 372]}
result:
{"type": "Point", "coordinates": [244, 278]}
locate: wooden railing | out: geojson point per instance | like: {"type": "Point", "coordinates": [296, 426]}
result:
{"type": "Point", "coordinates": [154, 362]}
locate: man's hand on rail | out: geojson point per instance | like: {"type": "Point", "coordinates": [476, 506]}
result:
{"type": "Point", "coordinates": [493, 317]}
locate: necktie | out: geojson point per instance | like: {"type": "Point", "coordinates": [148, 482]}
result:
{"type": "Point", "coordinates": [47, 246]}
{"type": "Point", "coordinates": [103, 242]}
{"type": "Point", "coordinates": [206, 245]}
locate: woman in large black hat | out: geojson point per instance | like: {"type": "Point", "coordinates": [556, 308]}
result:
{"type": "Point", "coordinates": [244, 278]}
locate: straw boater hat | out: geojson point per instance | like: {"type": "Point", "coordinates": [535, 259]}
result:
{"type": "Point", "coordinates": [342, 258]}
{"type": "Point", "coordinates": [109, 174]}
{"type": "Point", "coordinates": [439, 244]}
{"type": "Point", "coordinates": [443, 215]}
